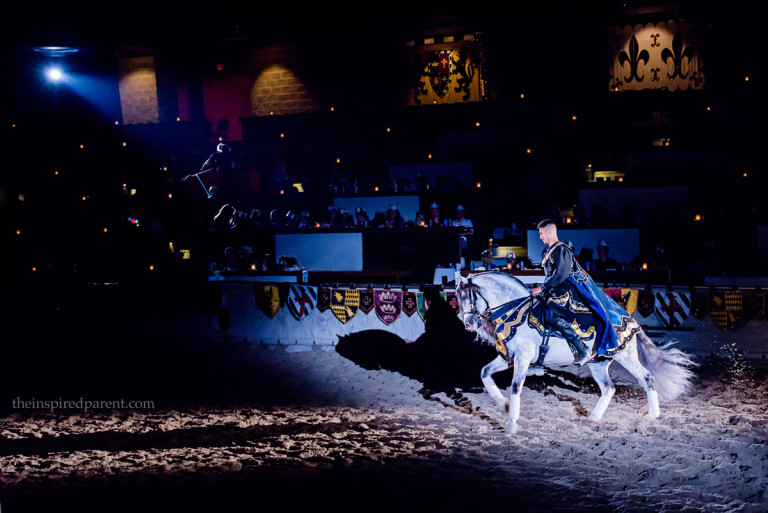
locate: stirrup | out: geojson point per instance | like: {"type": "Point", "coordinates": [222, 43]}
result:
{"type": "Point", "coordinates": [588, 357]}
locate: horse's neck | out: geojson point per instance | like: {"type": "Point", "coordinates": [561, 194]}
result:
{"type": "Point", "coordinates": [500, 292]}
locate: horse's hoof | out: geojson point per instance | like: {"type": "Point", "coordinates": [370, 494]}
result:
{"type": "Point", "coordinates": [511, 428]}
{"type": "Point", "coordinates": [594, 418]}
{"type": "Point", "coordinates": [651, 415]}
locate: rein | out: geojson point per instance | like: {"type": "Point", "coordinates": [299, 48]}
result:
{"type": "Point", "coordinates": [473, 295]}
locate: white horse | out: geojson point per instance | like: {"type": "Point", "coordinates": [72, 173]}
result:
{"type": "Point", "coordinates": [662, 371]}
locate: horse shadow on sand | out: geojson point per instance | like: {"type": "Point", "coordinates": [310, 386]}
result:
{"type": "Point", "coordinates": [445, 358]}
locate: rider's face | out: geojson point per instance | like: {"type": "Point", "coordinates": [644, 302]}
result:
{"type": "Point", "coordinates": [548, 235]}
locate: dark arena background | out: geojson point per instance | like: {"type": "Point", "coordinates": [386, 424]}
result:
{"type": "Point", "coordinates": [232, 234]}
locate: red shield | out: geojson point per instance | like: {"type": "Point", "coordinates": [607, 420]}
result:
{"type": "Point", "coordinates": [410, 303]}
{"type": "Point", "coordinates": [439, 67]}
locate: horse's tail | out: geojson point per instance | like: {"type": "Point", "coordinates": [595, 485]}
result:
{"type": "Point", "coordinates": [669, 366]}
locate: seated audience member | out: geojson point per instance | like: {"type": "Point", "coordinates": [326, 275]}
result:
{"type": "Point", "coordinates": [346, 220]}
{"type": "Point", "coordinates": [658, 261]}
{"type": "Point", "coordinates": [512, 262]}
{"type": "Point", "coordinates": [231, 259]}
{"type": "Point", "coordinates": [304, 222]}
{"type": "Point", "coordinates": [393, 218]}
{"type": "Point", "coordinates": [604, 262]}
{"type": "Point", "coordinates": [466, 227]}
{"type": "Point", "coordinates": [333, 221]}
{"type": "Point", "coordinates": [435, 218]}
{"type": "Point", "coordinates": [361, 218]}
{"type": "Point", "coordinates": [487, 257]}
{"type": "Point", "coordinates": [543, 256]}
{"type": "Point", "coordinates": [288, 263]}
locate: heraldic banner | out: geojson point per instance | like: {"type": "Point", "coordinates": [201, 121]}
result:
{"type": "Point", "coordinates": [389, 304]}
{"type": "Point", "coordinates": [626, 298]}
{"type": "Point", "coordinates": [447, 72]}
{"type": "Point", "coordinates": [672, 308]}
{"type": "Point", "coordinates": [667, 55]}
{"type": "Point", "coordinates": [301, 300]}
{"type": "Point", "coordinates": [267, 298]}
{"type": "Point", "coordinates": [725, 309]}
{"type": "Point", "coordinates": [345, 303]}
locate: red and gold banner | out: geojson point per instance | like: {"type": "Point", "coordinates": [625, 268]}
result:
{"type": "Point", "coordinates": [447, 72]}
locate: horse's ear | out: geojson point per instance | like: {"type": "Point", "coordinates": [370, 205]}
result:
{"type": "Point", "coordinates": [461, 278]}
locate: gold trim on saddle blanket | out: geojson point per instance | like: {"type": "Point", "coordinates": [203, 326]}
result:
{"type": "Point", "coordinates": [572, 303]}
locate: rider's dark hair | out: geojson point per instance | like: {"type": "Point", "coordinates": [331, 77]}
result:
{"type": "Point", "coordinates": [545, 223]}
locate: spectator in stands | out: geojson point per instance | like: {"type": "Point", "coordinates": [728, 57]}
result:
{"type": "Point", "coordinates": [604, 262]}
{"type": "Point", "coordinates": [304, 222]}
{"type": "Point", "coordinates": [658, 261]}
{"type": "Point", "coordinates": [276, 221]}
{"type": "Point", "coordinates": [487, 257]}
{"type": "Point", "coordinates": [224, 219]}
{"type": "Point", "coordinates": [393, 218]}
{"type": "Point", "coordinates": [291, 220]}
{"type": "Point", "coordinates": [418, 220]}
{"type": "Point", "coordinates": [361, 218]}
{"type": "Point", "coordinates": [231, 259]}
{"type": "Point", "coordinates": [710, 263]}
{"type": "Point", "coordinates": [346, 220]}
{"type": "Point", "coordinates": [435, 219]}
{"type": "Point", "coordinates": [288, 263]}
{"type": "Point", "coordinates": [512, 263]}
{"type": "Point", "coordinates": [466, 227]}
{"type": "Point", "coordinates": [543, 256]}
{"type": "Point", "coordinates": [245, 258]}
{"type": "Point", "coordinates": [333, 221]}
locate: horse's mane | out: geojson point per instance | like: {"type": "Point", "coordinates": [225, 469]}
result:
{"type": "Point", "coordinates": [499, 279]}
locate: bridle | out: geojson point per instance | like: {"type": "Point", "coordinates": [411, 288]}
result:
{"type": "Point", "coordinates": [473, 296]}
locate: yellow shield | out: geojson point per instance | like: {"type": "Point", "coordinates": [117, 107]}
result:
{"type": "Point", "coordinates": [345, 303]}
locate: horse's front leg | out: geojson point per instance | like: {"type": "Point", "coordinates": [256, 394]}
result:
{"type": "Point", "coordinates": [521, 368]}
{"type": "Point", "coordinates": [497, 365]}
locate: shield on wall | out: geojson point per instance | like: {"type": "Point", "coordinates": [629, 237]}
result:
{"type": "Point", "coordinates": [420, 306]}
{"type": "Point", "coordinates": [725, 309]}
{"type": "Point", "coordinates": [699, 304]}
{"type": "Point", "coordinates": [389, 304]}
{"type": "Point", "coordinates": [626, 298]}
{"type": "Point", "coordinates": [366, 301]}
{"type": "Point", "coordinates": [267, 297]}
{"type": "Point", "coordinates": [754, 305]}
{"type": "Point", "coordinates": [345, 303]}
{"type": "Point", "coordinates": [301, 300]}
{"type": "Point", "coordinates": [453, 302]}
{"type": "Point", "coordinates": [439, 71]}
{"type": "Point", "coordinates": [645, 302]}
{"type": "Point", "coordinates": [410, 303]}
{"type": "Point", "coordinates": [672, 308]}
{"type": "Point", "coordinates": [323, 299]}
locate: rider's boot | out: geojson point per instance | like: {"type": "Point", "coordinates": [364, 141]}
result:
{"type": "Point", "coordinates": [577, 345]}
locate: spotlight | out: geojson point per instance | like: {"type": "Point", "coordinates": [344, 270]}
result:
{"type": "Point", "coordinates": [54, 74]}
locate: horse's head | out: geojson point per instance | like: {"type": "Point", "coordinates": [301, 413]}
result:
{"type": "Point", "coordinates": [471, 305]}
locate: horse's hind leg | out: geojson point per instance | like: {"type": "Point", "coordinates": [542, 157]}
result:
{"type": "Point", "coordinates": [629, 360]}
{"type": "Point", "coordinates": [486, 375]}
{"type": "Point", "coordinates": [600, 373]}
